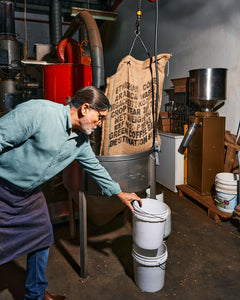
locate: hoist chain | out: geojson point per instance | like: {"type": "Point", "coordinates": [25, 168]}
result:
{"type": "Point", "coordinates": [139, 13]}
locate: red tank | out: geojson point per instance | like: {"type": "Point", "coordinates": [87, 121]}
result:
{"type": "Point", "coordinates": [64, 80]}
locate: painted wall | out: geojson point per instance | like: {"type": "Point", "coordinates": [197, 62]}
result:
{"type": "Point", "coordinates": [199, 34]}
{"type": "Point", "coordinates": [37, 31]}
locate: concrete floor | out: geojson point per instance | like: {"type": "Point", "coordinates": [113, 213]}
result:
{"type": "Point", "coordinates": [203, 261]}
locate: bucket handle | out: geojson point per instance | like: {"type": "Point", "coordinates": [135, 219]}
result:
{"type": "Point", "coordinates": [162, 266]}
{"type": "Point", "coordinates": [218, 201]}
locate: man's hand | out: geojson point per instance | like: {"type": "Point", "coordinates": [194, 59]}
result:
{"type": "Point", "coordinates": [127, 199]}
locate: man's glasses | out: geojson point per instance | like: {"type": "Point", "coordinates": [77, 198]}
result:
{"type": "Point", "coordinates": [101, 118]}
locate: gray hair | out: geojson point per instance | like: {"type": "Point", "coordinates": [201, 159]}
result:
{"type": "Point", "coordinates": [91, 95]}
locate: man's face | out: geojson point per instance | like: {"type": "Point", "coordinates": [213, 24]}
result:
{"type": "Point", "coordinates": [91, 119]}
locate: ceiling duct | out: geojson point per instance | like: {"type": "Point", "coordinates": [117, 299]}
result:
{"type": "Point", "coordinates": [55, 22]}
{"type": "Point", "coordinates": [96, 48]}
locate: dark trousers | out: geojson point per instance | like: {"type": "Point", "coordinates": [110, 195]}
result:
{"type": "Point", "coordinates": [36, 282]}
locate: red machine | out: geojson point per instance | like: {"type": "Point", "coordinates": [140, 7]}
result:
{"type": "Point", "coordinates": [62, 80]}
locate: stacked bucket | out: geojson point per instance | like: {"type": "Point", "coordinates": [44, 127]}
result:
{"type": "Point", "coordinates": [226, 186]}
{"type": "Point", "coordinates": [149, 249]}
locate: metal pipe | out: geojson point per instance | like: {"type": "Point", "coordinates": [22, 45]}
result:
{"type": "Point", "coordinates": [39, 21]}
{"type": "Point", "coordinates": [83, 233]}
{"type": "Point", "coordinates": [187, 138]}
{"type": "Point", "coordinates": [96, 48]}
{"type": "Point", "coordinates": [152, 175]}
{"type": "Point", "coordinates": [55, 22]}
{"type": "Point", "coordinates": [7, 21]}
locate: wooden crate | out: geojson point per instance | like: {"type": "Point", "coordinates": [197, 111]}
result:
{"type": "Point", "coordinates": [232, 146]}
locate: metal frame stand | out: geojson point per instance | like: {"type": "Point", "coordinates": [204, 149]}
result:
{"type": "Point", "coordinates": [78, 197]}
{"type": "Point", "coordinates": [152, 175]}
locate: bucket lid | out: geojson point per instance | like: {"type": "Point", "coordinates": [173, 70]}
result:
{"type": "Point", "coordinates": [228, 178]}
{"type": "Point", "coordinates": [151, 208]}
{"type": "Point", "coordinates": [228, 189]}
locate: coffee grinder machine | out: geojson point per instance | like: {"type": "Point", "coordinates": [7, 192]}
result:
{"type": "Point", "coordinates": [205, 136]}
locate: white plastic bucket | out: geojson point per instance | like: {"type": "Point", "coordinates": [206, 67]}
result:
{"type": "Point", "coordinates": [226, 185]}
{"type": "Point", "coordinates": [149, 268]}
{"type": "Point", "coordinates": [149, 223]}
{"type": "Point", "coordinates": [158, 196]}
{"type": "Point", "coordinates": [168, 225]}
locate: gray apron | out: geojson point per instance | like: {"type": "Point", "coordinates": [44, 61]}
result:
{"type": "Point", "coordinates": [25, 224]}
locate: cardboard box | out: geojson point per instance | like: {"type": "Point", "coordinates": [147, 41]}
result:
{"type": "Point", "coordinates": [181, 84]}
{"type": "Point", "coordinates": [164, 114]}
{"type": "Point", "coordinates": [165, 128]}
{"type": "Point", "coordinates": [164, 121]}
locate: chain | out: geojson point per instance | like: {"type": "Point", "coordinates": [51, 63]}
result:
{"type": "Point", "coordinates": [139, 13]}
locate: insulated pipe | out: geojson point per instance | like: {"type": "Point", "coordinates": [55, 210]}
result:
{"type": "Point", "coordinates": [56, 22]}
{"type": "Point", "coordinates": [7, 21]}
{"type": "Point", "coordinates": [95, 44]}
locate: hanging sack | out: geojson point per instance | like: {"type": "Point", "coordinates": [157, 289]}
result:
{"type": "Point", "coordinates": [128, 128]}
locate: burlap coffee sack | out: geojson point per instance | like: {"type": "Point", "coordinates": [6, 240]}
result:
{"type": "Point", "coordinates": [131, 90]}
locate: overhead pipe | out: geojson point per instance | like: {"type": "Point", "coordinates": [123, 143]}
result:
{"type": "Point", "coordinates": [55, 22]}
{"type": "Point", "coordinates": [96, 48]}
{"type": "Point", "coordinates": [7, 22]}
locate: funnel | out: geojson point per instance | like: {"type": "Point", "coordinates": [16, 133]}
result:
{"type": "Point", "coordinates": [207, 87]}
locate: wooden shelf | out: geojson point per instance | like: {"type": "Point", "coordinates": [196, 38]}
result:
{"type": "Point", "coordinates": [208, 201]}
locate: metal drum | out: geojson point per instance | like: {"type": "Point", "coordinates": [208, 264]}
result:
{"type": "Point", "coordinates": [207, 87]}
{"type": "Point", "coordinates": [131, 171]}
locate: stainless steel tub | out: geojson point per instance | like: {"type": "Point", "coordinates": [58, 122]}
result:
{"type": "Point", "coordinates": [133, 172]}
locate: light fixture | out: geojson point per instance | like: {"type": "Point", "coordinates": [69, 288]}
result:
{"type": "Point", "coordinates": [97, 14]}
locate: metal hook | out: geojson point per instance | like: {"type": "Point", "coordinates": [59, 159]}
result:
{"type": "Point", "coordinates": [137, 35]}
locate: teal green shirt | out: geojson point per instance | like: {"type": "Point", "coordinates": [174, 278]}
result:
{"type": "Point", "coordinates": [36, 144]}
